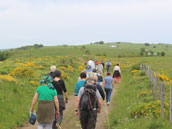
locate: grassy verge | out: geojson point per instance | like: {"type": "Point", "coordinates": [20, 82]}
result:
{"type": "Point", "coordinates": [128, 97]}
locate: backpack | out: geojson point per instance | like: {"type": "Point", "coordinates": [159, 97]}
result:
{"type": "Point", "coordinates": [88, 100]}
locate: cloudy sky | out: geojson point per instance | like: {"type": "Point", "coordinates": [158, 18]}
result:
{"type": "Point", "coordinates": [56, 22]}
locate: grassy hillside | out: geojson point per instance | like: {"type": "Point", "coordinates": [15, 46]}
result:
{"type": "Point", "coordinates": [21, 73]}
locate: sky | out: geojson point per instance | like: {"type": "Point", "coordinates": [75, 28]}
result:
{"type": "Point", "coordinates": [74, 22]}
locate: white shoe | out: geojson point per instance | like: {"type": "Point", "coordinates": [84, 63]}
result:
{"type": "Point", "coordinates": [58, 126]}
{"type": "Point", "coordinates": [108, 103]}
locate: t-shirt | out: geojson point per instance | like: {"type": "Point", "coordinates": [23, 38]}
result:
{"type": "Point", "coordinates": [59, 86]}
{"type": "Point", "coordinates": [78, 86]}
{"type": "Point", "coordinates": [45, 93]}
{"type": "Point", "coordinates": [81, 92]}
{"type": "Point", "coordinates": [108, 82]}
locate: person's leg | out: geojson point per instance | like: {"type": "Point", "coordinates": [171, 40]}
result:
{"type": "Point", "coordinates": [106, 90]}
{"type": "Point", "coordinates": [59, 119]}
{"type": "Point", "coordinates": [48, 125]}
{"type": "Point", "coordinates": [109, 94]}
{"type": "Point", "coordinates": [84, 119]}
{"type": "Point", "coordinates": [92, 120]}
{"type": "Point", "coordinates": [40, 126]}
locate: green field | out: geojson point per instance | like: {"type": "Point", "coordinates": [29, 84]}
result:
{"type": "Point", "coordinates": [17, 87]}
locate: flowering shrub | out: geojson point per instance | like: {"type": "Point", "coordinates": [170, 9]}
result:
{"type": "Point", "coordinates": [64, 76]}
{"type": "Point", "coordinates": [149, 109]}
{"type": "Point", "coordinates": [34, 83]}
{"type": "Point", "coordinates": [81, 68]}
{"type": "Point", "coordinates": [134, 71]}
{"type": "Point", "coordinates": [70, 68]}
{"type": "Point", "coordinates": [163, 77]}
{"type": "Point", "coordinates": [142, 93]}
{"type": "Point", "coordinates": [7, 78]}
{"type": "Point", "coordinates": [22, 72]}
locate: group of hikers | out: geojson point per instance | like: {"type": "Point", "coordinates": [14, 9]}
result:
{"type": "Point", "coordinates": [52, 95]}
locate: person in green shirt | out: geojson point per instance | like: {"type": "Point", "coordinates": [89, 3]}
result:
{"type": "Point", "coordinates": [47, 97]}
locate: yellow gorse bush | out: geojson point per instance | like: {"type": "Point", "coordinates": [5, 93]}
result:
{"type": "Point", "coordinates": [81, 68]}
{"type": "Point", "coordinates": [163, 77]}
{"type": "Point", "coordinates": [70, 68]}
{"type": "Point", "coordinates": [22, 72]}
{"type": "Point", "coordinates": [142, 93]}
{"type": "Point", "coordinates": [134, 71]}
{"type": "Point", "coordinates": [34, 83]}
{"type": "Point", "coordinates": [7, 78]}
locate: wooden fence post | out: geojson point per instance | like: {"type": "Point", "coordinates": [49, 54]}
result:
{"type": "Point", "coordinates": [162, 99]}
{"type": "Point", "coordinates": [156, 84]}
{"type": "Point", "coordinates": [171, 103]}
{"type": "Point", "coordinates": [160, 91]}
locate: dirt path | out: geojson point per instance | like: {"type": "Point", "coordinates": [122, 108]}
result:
{"type": "Point", "coordinates": [71, 122]}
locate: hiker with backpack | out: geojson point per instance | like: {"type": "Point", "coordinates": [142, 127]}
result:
{"type": "Point", "coordinates": [99, 83]}
{"type": "Point", "coordinates": [60, 87]}
{"type": "Point", "coordinates": [103, 65]}
{"type": "Point", "coordinates": [117, 73]}
{"type": "Point", "coordinates": [108, 86]}
{"type": "Point", "coordinates": [108, 66]}
{"type": "Point", "coordinates": [88, 104]}
{"type": "Point", "coordinates": [47, 98]}
{"type": "Point", "coordinates": [99, 68]}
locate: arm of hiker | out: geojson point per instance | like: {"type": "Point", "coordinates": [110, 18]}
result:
{"type": "Point", "coordinates": [57, 105]}
{"type": "Point", "coordinates": [77, 106]}
{"type": "Point", "coordinates": [34, 101]}
{"type": "Point", "coordinates": [99, 105]}
{"type": "Point", "coordinates": [113, 84]}
{"type": "Point", "coordinates": [99, 101]}
{"type": "Point", "coordinates": [66, 97]}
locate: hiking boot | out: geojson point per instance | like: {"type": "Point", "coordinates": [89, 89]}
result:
{"type": "Point", "coordinates": [58, 126]}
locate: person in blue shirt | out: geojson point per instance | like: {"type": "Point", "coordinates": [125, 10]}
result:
{"type": "Point", "coordinates": [108, 86]}
{"type": "Point", "coordinates": [80, 83]}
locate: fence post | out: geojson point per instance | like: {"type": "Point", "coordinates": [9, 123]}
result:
{"type": "Point", "coordinates": [160, 91]}
{"type": "Point", "coordinates": [162, 99]}
{"type": "Point", "coordinates": [171, 103]}
{"type": "Point", "coordinates": [156, 84]}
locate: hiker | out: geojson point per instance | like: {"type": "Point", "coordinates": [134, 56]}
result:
{"type": "Point", "coordinates": [88, 104]}
{"type": "Point", "coordinates": [103, 65]}
{"type": "Point", "coordinates": [47, 98]}
{"type": "Point", "coordinates": [91, 63]}
{"type": "Point", "coordinates": [60, 87]}
{"type": "Point", "coordinates": [80, 83]}
{"type": "Point", "coordinates": [99, 84]}
{"type": "Point", "coordinates": [108, 66]}
{"type": "Point", "coordinates": [117, 73]}
{"type": "Point", "coordinates": [108, 86]}
{"type": "Point", "coordinates": [88, 68]}
{"type": "Point", "coordinates": [52, 69]}
{"type": "Point", "coordinates": [99, 68]}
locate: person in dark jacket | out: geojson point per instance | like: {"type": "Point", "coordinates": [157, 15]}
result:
{"type": "Point", "coordinates": [60, 87]}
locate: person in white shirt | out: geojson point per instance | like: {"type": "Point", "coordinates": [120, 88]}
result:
{"type": "Point", "coordinates": [117, 73]}
{"type": "Point", "coordinates": [92, 64]}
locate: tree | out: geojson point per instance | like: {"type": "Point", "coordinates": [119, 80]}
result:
{"type": "Point", "coordinates": [147, 44]}
{"type": "Point", "coordinates": [162, 53]}
{"type": "Point", "coordinates": [3, 56]}
{"type": "Point", "coordinates": [142, 53]}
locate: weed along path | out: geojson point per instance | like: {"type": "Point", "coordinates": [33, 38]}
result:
{"type": "Point", "coordinates": [70, 121]}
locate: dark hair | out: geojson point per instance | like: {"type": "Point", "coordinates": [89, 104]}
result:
{"type": "Point", "coordinates": [94, 70]}
{"type": "Point", "coordinates": [83, 75]}
{"type": "Point", "coordinates": [108, 74]}
{"type": "Point", "coordinates": [57, 73]}
{"type": "Point", "coordinates": [117, 64]}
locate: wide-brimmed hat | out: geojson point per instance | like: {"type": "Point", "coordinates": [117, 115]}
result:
{"type": "Point", "coordinates": [91, 79]}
